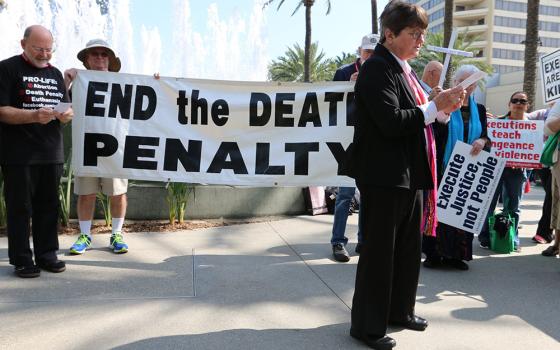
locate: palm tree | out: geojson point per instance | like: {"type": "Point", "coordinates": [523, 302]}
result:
{"type": "Point", "coordinates": [447, 29]}
{"type": "Point", "coordinates": [344, 58]}
{"type": "Point", "coordinates": [374, 26]}
{"type": "Point", "coordinates": [531, 50]}
{"type": "Point", "coordinates": [463, 43]}
{"type": "Point", "coordinates": [290, 66]}
{"type": "Point", "coordinates": [308, 4]}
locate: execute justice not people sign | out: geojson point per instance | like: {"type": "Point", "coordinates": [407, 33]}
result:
{"type": "Point", "coordinates": [467, 187]}
{"type": "Point", "coordinates": [519, 142]}
{"type": "Point", "coordinates": [212, 132]}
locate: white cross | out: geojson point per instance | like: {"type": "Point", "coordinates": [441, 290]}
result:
{"type": "Point", "coordinates": [448, 51]}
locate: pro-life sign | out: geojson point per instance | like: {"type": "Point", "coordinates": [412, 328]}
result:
{"type": "Point", "coordinates": [550, 76]}
{"type": "Point", "coordinates": [520, 142]}
{"type": "Point", "coordinates": [467, 188]}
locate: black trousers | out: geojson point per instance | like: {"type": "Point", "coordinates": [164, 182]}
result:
{"type": "Point", "coordinates": [389, 265]}
{"type": "Point", "coordinates": [543, 229]}
{"type": "Point", "coordinates": [31, 193]}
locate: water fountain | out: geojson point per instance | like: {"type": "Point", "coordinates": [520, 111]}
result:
{"type": "Point", "coordinates": [232, 48]}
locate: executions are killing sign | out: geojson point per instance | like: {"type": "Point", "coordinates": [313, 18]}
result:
{"type": "Point", "coordinates": [550, 76]}
{"type": "Point", "coordinates": [467, 188]}
{"type": "Point", "coordinates": [213, 132]}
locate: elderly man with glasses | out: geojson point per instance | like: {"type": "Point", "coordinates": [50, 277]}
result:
{"type": "Point", "coordinates": [98, 55]}
{"type": "Point", "coordinates": [31, 152]}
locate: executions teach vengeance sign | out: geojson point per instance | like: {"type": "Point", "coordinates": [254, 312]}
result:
{"type": "Point", "coordinates": [520, 142]}
{"type": "Point", "coordinates": [467, 187]}
{"type": "Point", "coordinates": [213, 132]}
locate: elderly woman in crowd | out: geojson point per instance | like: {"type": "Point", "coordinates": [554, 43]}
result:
{"type": "Point", "coordinates": [467, 124]}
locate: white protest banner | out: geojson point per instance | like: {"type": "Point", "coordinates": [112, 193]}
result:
{"type": "Point", "coordinates": [520, 142]}
{"type": "Point", "coordinates": [212, 132]}
{"type": "Point", "coordinates": [467, 187]}
{"type": "Point", "coordinates": [550, 76]}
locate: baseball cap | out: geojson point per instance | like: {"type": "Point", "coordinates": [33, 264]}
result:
{"type": "Point", "coordinates": [369, 41]}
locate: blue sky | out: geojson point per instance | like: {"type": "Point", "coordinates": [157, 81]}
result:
{"type": "Point", "coordinates": [209, 39]}
{"type": "Point", "coordinates": [339, 31]}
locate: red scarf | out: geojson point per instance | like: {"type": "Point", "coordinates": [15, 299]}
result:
{"type": "Point", "coordinates": [429, 219]}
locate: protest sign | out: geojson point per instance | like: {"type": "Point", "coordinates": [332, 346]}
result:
{"type": "Point", "coordinates": [213, 132]}
{"type": "Point", "coordinates": [520, 142]}
{"type": "Point", "coordinates": [467, 187]}
{"type": "Point", "coordinates": [550, 76]}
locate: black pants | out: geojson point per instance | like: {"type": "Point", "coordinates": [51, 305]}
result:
{"type": "Point", "coordinates": [543, 229]}
{"type": "Point", "coordinates": [389, 265]}
{"type": "Point", "coordinates": [31, 193]}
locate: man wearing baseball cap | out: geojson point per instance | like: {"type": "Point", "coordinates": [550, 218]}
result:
{"type": "Point", "coordinates": [98, 55]}
{"type": "Point", "coordinates": [348, 72]}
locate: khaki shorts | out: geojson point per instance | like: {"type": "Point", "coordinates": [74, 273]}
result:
{"type": "Point", "coordinates": [91, 185]}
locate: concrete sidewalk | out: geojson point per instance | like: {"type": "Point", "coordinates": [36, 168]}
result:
{"type": "Point", "coordinates": [269, 285]}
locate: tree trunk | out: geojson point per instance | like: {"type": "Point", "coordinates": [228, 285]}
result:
{"type": "Point", "coordinates": [447, 29]}
{"type": "Point", "coordinates": [307, 52]}
{"type": "Point", "coordinates": [374, 26]}
{"type": "Point", "coordinates": [531, 51]}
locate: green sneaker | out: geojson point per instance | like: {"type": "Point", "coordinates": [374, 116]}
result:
{"type": "Point", "coordinates": [81, 245]}
{"type": "Point", "coordinates": [117, 243]}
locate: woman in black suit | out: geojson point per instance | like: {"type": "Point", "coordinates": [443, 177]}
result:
{"type": "Point", "coordinates": [392, 163]}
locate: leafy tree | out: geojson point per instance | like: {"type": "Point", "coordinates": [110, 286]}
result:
{"type": "Point", "coordinates": [307, 48]}
{"type": "Point", "coordinates": [531, 50]}
{"type": "Point", "coordinates": [290, 66]}
{"type": "Point", "coordinates": [463, 43]}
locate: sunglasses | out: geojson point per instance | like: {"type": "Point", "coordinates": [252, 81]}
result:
{"type": "Point", "coordinates": [519, 101]}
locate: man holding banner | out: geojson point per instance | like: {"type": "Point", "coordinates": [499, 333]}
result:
{"type": "Point", "coordinates": [392, 113]}
{"type": "Point", "coordinates": [98, 55]}
{"type": "Point", "coordinates": [344, 196]}
{"type": "Point", "coordinates": [32, 109]}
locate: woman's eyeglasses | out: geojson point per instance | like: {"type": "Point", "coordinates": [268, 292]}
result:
{"type": "Point", "coordinates": [521, 101]}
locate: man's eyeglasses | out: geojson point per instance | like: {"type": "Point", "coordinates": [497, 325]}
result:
{"type": "Point", "coordinates": [516, 101]}
{"type": "Point", "coordinates": [417, 34]}
{"type": "Point", "coordinates": [42, 49]}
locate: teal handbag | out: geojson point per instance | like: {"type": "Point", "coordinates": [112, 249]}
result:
{"type": "Point", "coordinates": [502, 233]}
{"type": "Point", "coordinates": [549, 147]}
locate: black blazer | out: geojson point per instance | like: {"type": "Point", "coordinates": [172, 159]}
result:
{"type": "Point", "coordinates": [389, 147]}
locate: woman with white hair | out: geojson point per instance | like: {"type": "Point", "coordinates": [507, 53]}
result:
{"type": "Point", "coordinates": [452, 246]}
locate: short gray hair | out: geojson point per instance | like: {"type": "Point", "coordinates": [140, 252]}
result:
{"type": "Point", "coordinates": [465, 69]}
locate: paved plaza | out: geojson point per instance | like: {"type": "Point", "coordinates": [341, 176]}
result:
{"type": "Point", "coordinates": [270, 285]}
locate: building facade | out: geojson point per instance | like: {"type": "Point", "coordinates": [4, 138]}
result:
{"type": "Point", "coordinates": [498, 28]}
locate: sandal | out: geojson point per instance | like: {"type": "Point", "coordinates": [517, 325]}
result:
{"type": "Point", "coordinates": [550, 251]}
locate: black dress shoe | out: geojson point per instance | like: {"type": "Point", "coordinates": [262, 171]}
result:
{"type": "Point", "coordinates": [414, 323]}
{"type": "Point", "coordinates": [381, 343]}
{"type": "Point", "coordinates": [29, 271]}
{"type": "Point", "coordinates": [55, 266]}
